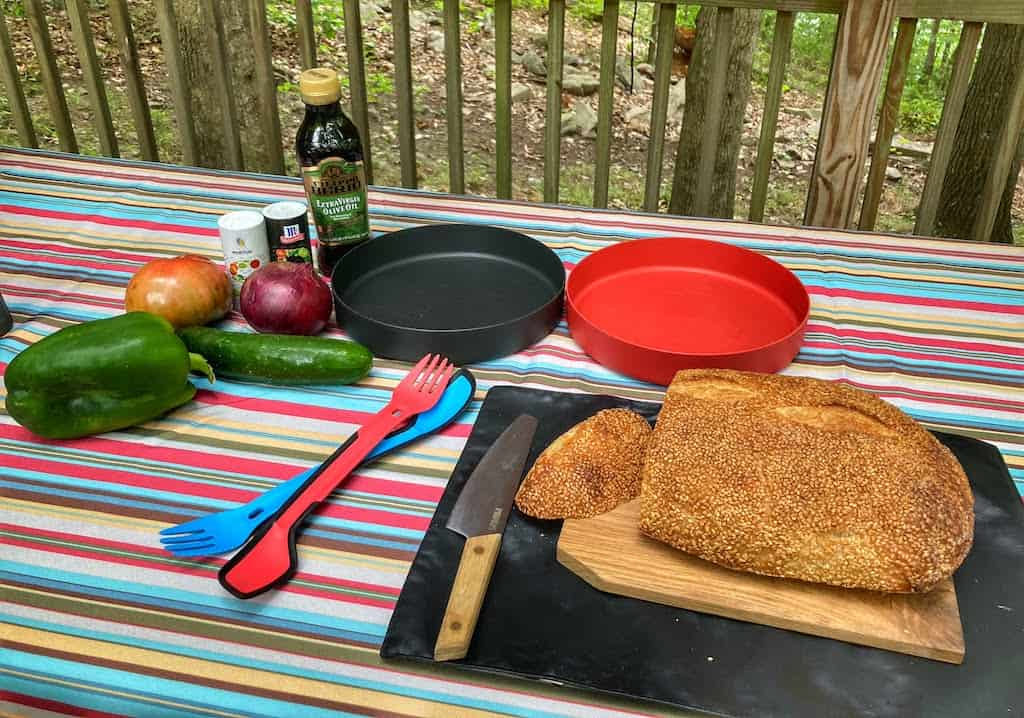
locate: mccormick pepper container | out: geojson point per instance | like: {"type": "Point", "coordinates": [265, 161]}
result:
{"type": "Point", "coordinates": [330, 154]}
{"type": "Point", "coordinates": [288, 232]}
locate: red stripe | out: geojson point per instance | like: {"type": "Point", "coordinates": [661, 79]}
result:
{"type": "Point", "coordinates": [70, 261]}
{"type": "Point", "coordinates": [115, 254]}
{"type": "Point", "coordinates": [111, 221]}
{"type": "Point", "coordinates": [194, 570]}
{"type": "Point", "coordinates": [916, 300]}
{"type": "Point", "coordinates": [45, 704]}
{"type": "Point", "coordinates": [142, 176]}
{"type": "Point", "coordinates": [91, 300]}
{"type": "Point", "coordinates": [308, 411]}
{"type": "Point", "coordinates": [883, 352]}
{"type": "Point", "coordinates": [193, 487]}
{"type": "Point", "coordinates": [184, 457]}
{"type": "Point", "coordinates": [932, 341]}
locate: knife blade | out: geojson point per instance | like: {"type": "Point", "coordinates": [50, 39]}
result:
{"type": "Point", "coordinates": [480, 514]}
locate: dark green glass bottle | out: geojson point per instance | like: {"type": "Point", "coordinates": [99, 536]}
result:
{"type": "Point", "coordinates": [330, 156]}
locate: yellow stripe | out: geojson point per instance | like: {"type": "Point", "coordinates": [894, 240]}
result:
{"type": "Point", "coordinates": [34, 508]}
{"type": "Point", "coordinates": [85, 687]}
{"type": "Point", "coordinates": [243, 677]}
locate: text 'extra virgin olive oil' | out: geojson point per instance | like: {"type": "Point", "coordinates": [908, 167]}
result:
{"type": "Point", "coordinates": [330, 154]}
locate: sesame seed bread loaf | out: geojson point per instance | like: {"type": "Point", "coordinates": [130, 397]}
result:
{"type": "Point", "coordinates": [806, 479]}
{"type": "Point", "coordinates": [588, 470]}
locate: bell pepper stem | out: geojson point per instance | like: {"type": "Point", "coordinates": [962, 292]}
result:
{"type": "Point", "coordinates": [198, 364]}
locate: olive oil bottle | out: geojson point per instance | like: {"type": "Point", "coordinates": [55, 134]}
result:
{"type": "Point", "coordinates": [330, 156]}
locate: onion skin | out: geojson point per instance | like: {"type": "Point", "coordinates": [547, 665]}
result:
{"type": "Point", "coordinates": [187, 291]}
{"type": "Point", "coordinates": [286, 298]}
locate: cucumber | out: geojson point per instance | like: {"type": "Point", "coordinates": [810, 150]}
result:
{"type": "Point", "coordinates": [279, 358]}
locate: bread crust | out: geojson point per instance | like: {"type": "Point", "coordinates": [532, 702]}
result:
{"type": "Point", "coordinates": [588, 470]}
{"type": "Point", "coordinates": [803, 478]}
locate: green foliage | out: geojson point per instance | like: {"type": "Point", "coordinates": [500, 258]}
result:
{"type": "Point", "coordinates": [281, 13]}
{"type": "Point", "coordinates": [377, 84]}
{"type": "Point", "coordinates": [328, 19]}
{"type": "Point", "coordinates": [920, 111]}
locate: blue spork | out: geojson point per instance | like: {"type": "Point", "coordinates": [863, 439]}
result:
{"type": "Point", "coordinates": [228, 529]}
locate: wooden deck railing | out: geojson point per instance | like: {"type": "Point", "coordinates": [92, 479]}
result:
{"type": "Point", "coordinates": [861, 53]}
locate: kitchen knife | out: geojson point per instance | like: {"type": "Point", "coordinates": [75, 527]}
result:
{"type": "Point", "coordinates": [480, 515]}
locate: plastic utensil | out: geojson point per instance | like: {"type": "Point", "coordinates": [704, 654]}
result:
{"type": "Point", "coordinates": [226, 530]}
{"type": "Point", "coordinates": [269, 558]}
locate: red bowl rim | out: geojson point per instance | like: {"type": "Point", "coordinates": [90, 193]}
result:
{"type": "Point", "coordinates": [802, 318]}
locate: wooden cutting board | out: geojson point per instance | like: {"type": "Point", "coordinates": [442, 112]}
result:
{"type": "Point", "coordinates": [611, 554]}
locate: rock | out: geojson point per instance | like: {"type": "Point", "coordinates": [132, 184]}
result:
{"type": "Point", "coordinates": [436, 21]}
{"type": "Point", "coordinates": [786, 163]}
{"type": "Point", "coordinates": [539, 40]}
{"type": "Point", "coordinates": [893, 174]}
{"type": "Point", "coordinates": [622, 73]}
{"type": "Point", "coordinates": [676, 101]}
{"type": "Point", "coordinates": [802, 112]}
{"type": "Point", "coordinates": [533, 63]}
{"type": "Point", "coordinates": [645, 68]}
{"type": "Point", "coordinates": [573, 60]}
{"type": "Point", "coordinates": [435, 41]}
{"type": "Point", "coordinates": [521, 92]}
{"type": "Point", "coordinates": [909, 148]}
{"type": "Point", "coordinates": [417, 20]}
{"type": "Point", "coordinates": [369, 12]}
{"type": "Point", "coordinates": [639, 117]}
{"type": "Point", "coordinates": [580, 120]}
{"type": "Point", "coordinates": [580, 84]}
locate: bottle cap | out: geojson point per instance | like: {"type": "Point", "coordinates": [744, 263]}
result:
{"type": "Point", "coordinates": [319, 86]}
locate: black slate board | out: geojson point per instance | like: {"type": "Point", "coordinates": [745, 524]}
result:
{"type": "Point", "coordinates": [541, 621]}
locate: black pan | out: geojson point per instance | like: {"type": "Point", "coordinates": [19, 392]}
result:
{"type": "Point", "coordinates": [469, 292]}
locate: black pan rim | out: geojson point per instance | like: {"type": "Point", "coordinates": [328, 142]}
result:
{"type": "Point", "coordinates": [556, 298]}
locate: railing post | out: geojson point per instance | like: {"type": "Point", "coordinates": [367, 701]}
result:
{"type": "Point", "coordinates": [15, 94]}
{"type": "Point", "coordinates": [861, 41]}
{"type": "Point", "coordinates": [606, 100]}
{"type": "Point", "coordinates": [553, 113]}
{"type": "Point", "coordinates": [92, 73]}
{"type": "Point", "coordinates": [887, 117]}
{"type": "Point", "coordinates": [503, 97]}
{"type": "Point", "coordinates": [781, 45]}
{"type": "Point", "coordinates": [453, 97]}
{"type": "Point", "coordinates": [122, 24]}
{"type": "Point", "coordinates": [659, 103]}
{"type": "Point", "coordinates": [50, 75]}
{"type": "Point", "coordinates": [174, 62]}
{"type": "Point", "coordinates": [357, 80]}
{"type": "Point", "coordinates": [403, 92]}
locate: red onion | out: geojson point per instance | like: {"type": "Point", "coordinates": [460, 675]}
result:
{"type": "Point", "coordinates": [286, 298]}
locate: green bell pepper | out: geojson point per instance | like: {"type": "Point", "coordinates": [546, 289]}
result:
{"type": "Point", "coordinates": [101, 375]}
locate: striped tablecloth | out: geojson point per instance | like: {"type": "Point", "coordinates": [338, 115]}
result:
{"type": "Point", "coordinates": [97, 620]}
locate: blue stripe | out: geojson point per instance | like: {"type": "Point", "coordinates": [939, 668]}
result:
{"type": "Point", "coordinates": [220, 605]}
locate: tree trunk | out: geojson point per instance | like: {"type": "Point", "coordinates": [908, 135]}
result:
{"type": "Point", "coordinates": [737, 92]}
{"type": "Point", "coordinates": [208, 105]}
{"type": "Point", "coordinates": [985, 111]}
{"type": "Point", "coordinates": [929, 58]}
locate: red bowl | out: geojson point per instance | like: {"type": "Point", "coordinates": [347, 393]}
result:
{"type": "Point", "coordinates": [650, 307]}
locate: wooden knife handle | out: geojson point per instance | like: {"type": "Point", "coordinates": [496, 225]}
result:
{"type": "Point", "coordinates": [468, 591]}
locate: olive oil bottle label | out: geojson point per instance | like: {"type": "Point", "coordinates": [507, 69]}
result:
{"type": "Point", "coordinates": [337, 195]}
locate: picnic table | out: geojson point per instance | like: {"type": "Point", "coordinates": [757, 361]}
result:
{"type": "Point", "coordinates": [96, 619]}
